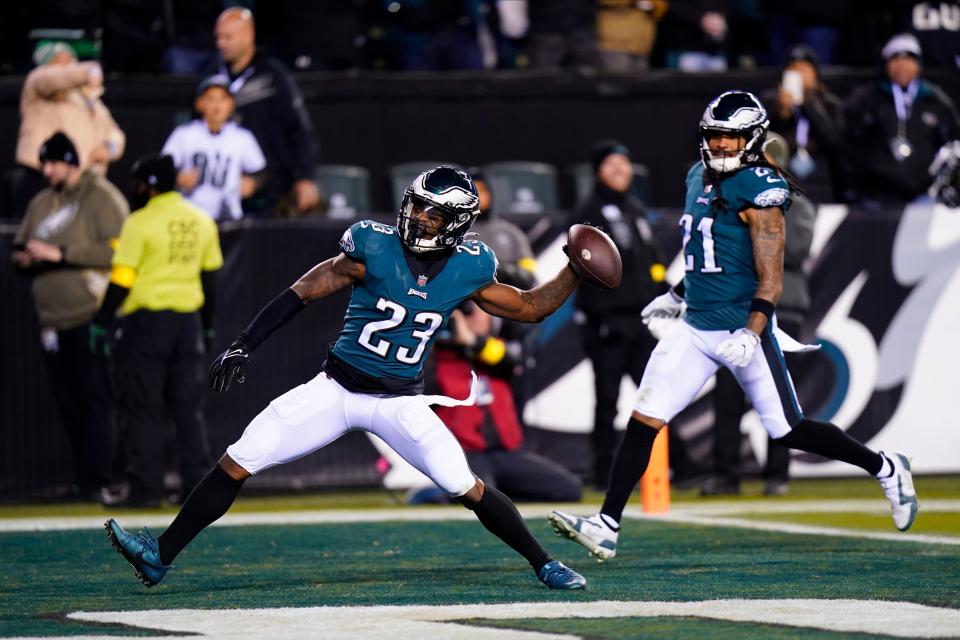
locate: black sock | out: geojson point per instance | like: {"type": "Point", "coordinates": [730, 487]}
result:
{"type": "Point", "coordinates": [206, 503]}
{"type": "Point", "coordinates": [830, 441]}
{"type": "Point", "coordinates": [628, 467]}
{"type": "Point", "coordinates": [501, 518]}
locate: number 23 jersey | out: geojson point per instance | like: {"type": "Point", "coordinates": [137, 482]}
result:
{"type": "Point", "coordinates": [395, 313]}
{"type": "Point", "coordinates": [720, 273]}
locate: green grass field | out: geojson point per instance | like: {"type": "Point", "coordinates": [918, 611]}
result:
{"type": "Point", "coordinates": [49, 574]}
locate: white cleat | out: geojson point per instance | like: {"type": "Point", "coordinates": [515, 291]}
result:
{"type": "Point", "coordinates": [900, 492]}
{"type": "Point", "coordinates": [592, 533]}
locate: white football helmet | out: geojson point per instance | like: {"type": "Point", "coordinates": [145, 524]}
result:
{"type": "Point", "coordinates": [447, 190]}
{"type": "Point", "coordinates": [734, 112]}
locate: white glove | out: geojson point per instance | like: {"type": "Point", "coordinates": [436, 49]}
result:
{"type": "Point", "coordinates": [660, 328]}
{"type": "Point", "coordinates": [668, 305]}
{"type": "Point", "coordinates": [738, 348]}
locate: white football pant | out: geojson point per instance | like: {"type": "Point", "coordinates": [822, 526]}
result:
{"type": "Point", "coordinates": [685, 359]}
{"type": "Point", "coordinates": [313, 415]}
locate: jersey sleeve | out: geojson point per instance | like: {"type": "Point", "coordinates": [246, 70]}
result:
{"type": "Point", "coordinates": [762, 188]}
{"type": "Point", "coordinates": [354, 239]}
{"type": "Point", "coordinates": [130, 247]}
{"type": "Point", "coordinates": [252, 159]}
{"type": "Point", "coordinates": [212, 256]}
{"type": "Point", "coordinates": [488, 264]}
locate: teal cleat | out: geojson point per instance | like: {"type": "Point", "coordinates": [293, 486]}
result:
{"type": "Point", "coordinates": [557, 576]}
{"type": "Point", "coordinates": [140, 550]}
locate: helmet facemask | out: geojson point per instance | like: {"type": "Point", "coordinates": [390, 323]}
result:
{"type": "Point", "coordinates": [734, 113]}
{"type": "Point", "coordinates": [444, 191]}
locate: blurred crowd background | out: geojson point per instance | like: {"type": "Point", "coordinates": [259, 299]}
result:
{"type": "Point", "coordinates": [175, 36]}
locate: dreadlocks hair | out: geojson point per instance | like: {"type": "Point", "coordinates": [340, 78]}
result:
{"type": "Point", "coordinates": [715, 179]}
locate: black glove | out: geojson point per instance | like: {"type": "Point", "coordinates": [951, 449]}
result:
{"type": "Point", "coordinates": [229, 366]}
{"type": "Point", "coordinates": [99, 340]}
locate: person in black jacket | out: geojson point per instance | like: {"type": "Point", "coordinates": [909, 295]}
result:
{"type": "Point", "coordinates": [269, 104]}
{"type": "Point", "coordinates": [812, 123]}
{"type": "Point", "coordinates": [613, 336]}
{"type": "Point", "coordinates": [897, 124]}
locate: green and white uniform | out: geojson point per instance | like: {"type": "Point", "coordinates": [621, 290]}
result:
{"type": "Point", "coordinates": [372, 380]}
{"type": "Point", "coordinates": [720, 281]}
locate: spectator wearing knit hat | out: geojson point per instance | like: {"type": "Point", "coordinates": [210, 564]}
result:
{"type": "Point", "coordinates": [896, 125]}
{"type": "Point", "coordinates": [615, 340]}
{"type": "Point", "coordinates": [64, 246]}
{"type": "Point", "coordinates": [811, 119]}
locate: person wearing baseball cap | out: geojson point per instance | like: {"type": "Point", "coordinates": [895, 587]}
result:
{"type": "Point", "coordinates": [64, 245]}
{"type": "Point", "coordinates": [896, 126]}
{"type": "Point", "coordinates": [219, 163]}
{"type": "Point", "coordinates": [163, 284]}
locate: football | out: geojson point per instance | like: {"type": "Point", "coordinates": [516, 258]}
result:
{"type": "Point", "coordinates": [594, 255]}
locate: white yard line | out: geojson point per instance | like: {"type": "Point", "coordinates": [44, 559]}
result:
{"type": "Point", "coordinates": [892, 619]}
{"type": "Point", "coordinates": [705, 514]}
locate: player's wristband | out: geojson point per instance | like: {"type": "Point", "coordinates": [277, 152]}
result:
{"type": "Point", "coordinates": [763, 306]}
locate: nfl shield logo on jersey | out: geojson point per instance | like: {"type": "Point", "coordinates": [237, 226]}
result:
{"type": "Point", "coordinates": [421, 281]}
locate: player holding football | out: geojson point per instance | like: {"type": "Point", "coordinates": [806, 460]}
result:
{"type": "Point", "coordinates": [406, 281]}
{"type": "Point", "coordinates": [733, 237]}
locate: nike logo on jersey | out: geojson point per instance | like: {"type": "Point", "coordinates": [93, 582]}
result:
{"type": "Point", "coordinates": [702, 200]}
{"type": "Point", "coordinates": [419, 294]}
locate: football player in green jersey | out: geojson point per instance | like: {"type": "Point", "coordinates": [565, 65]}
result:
{"type": "Point", "coordinates": [733, 238]}
{"type": "Point", "coordinates": [406, 281]}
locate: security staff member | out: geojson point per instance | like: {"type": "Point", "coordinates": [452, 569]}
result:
{"type": "Point", "coordinates": [163, 276]}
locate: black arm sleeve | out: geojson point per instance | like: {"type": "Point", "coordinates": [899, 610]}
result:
{"type": "Point", "coordinates": [208, 280]}
{"type": "Point", "coordinates": [277, 313]}
{"type": "Point", "coordinates": [112, 300]}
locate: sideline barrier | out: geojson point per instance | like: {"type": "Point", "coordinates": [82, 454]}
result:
{"type": "Point", "coordinates": [886, 304]}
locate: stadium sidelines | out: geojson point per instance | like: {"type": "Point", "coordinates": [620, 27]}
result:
{"type": "Point", "coordinates": [716, 514]}
{"type": "Point", "coordinates": [896, 619]}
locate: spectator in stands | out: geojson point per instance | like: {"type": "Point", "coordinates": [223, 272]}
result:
{"type": "Point", "coordinates": [695, 35]}
{"type": "Point", "coordinates": [626, 31]}
{"type": "Point", "coordinates": [218, 161]}
{"type": "Point", "coordinates": [811, 119]}
{"type": "Point", "coordinates": [896, 126]}
{"type": "Point", "coordinates": [270, 104]}
{"type": "Point", "coordinates": [428, 35]}
{"type": "Point", "coordinates": [614, 340]}
{"type": "Point", "coordinates": [729, 402]}
{"type": "Point", "coordinates": [64, 245]}
{"type": "Point", "coordinates": [815, 23]}
{"type": "Point", "coordinates": [163, 282]}
{"type": "Point", "coordinates": [562, 33]}
{"type": "Point", "coordinates": [490, 431]}
{"type": "Point", "coordinates": [61, 94]}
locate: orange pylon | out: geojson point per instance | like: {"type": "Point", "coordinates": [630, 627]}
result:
{"type": "Point", "coordinates": [655, 483]}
